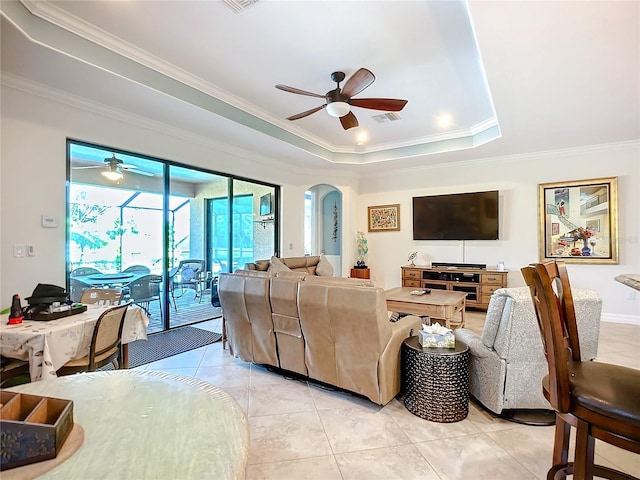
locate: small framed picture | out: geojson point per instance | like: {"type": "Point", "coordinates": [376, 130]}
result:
{"type": "Point", "coordinates": [384, 218]}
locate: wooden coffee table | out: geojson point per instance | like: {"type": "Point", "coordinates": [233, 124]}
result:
{"type": "Point", "coordinates": [444, 305]}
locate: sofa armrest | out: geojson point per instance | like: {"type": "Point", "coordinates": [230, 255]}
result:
{"type": "Point", "coordinates": [474, 342]}
{"type": "Point", "coordinates": [389, 363]}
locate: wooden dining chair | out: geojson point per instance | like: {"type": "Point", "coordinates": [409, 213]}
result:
{"type": "Point", "coordinates": [11, 370]}
{"type": "Point", "coordinates": [599, 399]}
{"type": "Point", "coordinates": [105, 344]}
{"type": "Point", "coordinates": [101, 296]}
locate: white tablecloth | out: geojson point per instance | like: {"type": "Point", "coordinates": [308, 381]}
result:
{"type": "Point", "coordinates": [48, 345]}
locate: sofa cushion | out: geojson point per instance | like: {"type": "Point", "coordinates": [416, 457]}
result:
{"type": "Point", "coordinates": [324, 267]}
{"type": "Point", "coordinates": [353, 282]}
{"type": "Point", "coordinates": [187, 274]}
{"type": "Point", "coordinates": [302, 264]}
{"type": "Point", "coordinates": [262, 265]}
{"type": "Point", "coordinates": [289, 275]}
{"type": "Point", "coordinates": [251, 273]}
{"type": "Point", "coordinates": [277, 266]}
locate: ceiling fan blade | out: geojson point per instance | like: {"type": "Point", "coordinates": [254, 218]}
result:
{"type": "Point", "coordinates": [298, 91]}
{"type": "Point", "coordinates": [386, 104]}
{"type": "Point", "coordinates": [349, 121]}
{"type": "Point", "coordinates": [85, 167]}
{"type": "Point", "coordinates": [304, 114]}
{"type": "Point", "coordinates": [358, 82]}
{"type": "Point", "coordinates": [139, 172]}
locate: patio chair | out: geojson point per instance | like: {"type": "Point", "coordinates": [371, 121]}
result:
{"type": "Point", "coordinates": [137, 269]}
{"type": "Point", "coordinates": [189, 274]}
{"type": "Point", "coordinates": [145, 290]}
{"type": "Point", "coordinates": [82, 271]}
{"type": "Point", "coordinates": [77, 288]}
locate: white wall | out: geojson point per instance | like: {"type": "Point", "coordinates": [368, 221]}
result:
{"type": "Point", "coordinates": [517, 180]}
{"type": "Point", "coordinates": [32, 182]}
{"type": "Point", "coordinates": [33, 174]}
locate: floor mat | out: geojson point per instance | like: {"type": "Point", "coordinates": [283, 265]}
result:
{"type": "Point", "coordinates": [170, 343]}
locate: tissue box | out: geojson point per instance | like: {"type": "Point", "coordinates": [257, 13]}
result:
{"type": "Point", "coordinates": [434, 340]}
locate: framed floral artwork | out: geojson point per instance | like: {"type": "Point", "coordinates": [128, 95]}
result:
{"type": "Point", "coordinates": [384, 218]}
{"type": "Point", "coordinates": [578, 221]}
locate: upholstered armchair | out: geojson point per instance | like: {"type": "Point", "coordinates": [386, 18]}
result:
{"type": "Point", "coordinates": [507, 359]}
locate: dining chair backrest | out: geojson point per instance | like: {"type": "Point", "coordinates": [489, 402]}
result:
{"type": "Point", "coordinates": [81, 271]}
{"type": "Point", "coordinates": [107, 334]}
{"type": "Point", "coordinates": [137, 269]}
{"type": "Point", "coordinates": [555, 311]}
{"type": "Point", "coordinates": [101, 296]}
{"type": "Point", "coordinates": [106, 343]}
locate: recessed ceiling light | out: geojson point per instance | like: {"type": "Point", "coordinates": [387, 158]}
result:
{"type": "Point", "coordinates": [445, 120]}
{"type": "Point", "coordinates": [362, 137]}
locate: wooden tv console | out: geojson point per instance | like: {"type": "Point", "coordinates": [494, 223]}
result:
{"type": "Point", "coordinates": [477, 283]}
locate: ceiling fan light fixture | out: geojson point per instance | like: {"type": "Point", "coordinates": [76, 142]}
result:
{"type": "Point", "coordinates": [338, 109]}
{"type": "Point", "coordinates": [113, 174]}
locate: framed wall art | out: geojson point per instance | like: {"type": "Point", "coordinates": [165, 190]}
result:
{"type": "Point", "coordinates": [579, 221]}
{"type": "Point", "coordinates": [384, 218]}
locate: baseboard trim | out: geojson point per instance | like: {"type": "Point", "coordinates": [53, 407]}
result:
{"type": "Point", "coordinates": [616, 318]}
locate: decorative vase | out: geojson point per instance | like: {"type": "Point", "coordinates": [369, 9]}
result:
{"type": "Point", "coordinates": [586, 251]}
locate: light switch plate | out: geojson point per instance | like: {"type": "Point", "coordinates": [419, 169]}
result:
{"type": "Point", "coordinates": [49, 221]}
{"type": "Point", "coordinates": [18, 250]}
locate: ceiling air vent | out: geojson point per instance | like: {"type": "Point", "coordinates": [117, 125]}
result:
{"type": "Point", "coordinates": [387, 117]}
{"type": "Point", "coordinates": [239, 6]}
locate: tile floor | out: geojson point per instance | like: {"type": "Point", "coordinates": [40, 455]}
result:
{"type": "Point", "coordinates": [301, 431]}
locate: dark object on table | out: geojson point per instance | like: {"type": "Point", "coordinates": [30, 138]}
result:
{"type": "Point", "coordinates": [45, 293]}
{"type": "Point", "coordinates": [41, 312]}
{"type": "Point", "coordinates": [16, 315]}
{"type": "Point", "coordinates": [435, 381]}
{"type": "Point", "coordinates": [599, 399]}
{"type": "Point", "coordinates": [34, 428]}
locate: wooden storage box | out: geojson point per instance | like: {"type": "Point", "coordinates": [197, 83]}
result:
{"type": "Point", "coordinates": [32, 428]}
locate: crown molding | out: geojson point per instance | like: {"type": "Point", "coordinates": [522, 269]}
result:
{"type": "Point", "coordinates": [64, 98]}
{"type": "Point", "coordinates": [519, 157]}
{"type": "Point", "coordinates": [221, 102]}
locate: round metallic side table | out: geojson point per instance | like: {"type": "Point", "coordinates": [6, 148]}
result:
{"type": "Point", "coordinates": [435, 381]}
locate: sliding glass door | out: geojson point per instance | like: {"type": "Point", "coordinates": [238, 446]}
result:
{"type": "Point", "coordinates": [160, 232]}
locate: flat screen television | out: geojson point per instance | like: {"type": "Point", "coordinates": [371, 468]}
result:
{"type": "Point", "coordinates": [265, 204]}
{"type": "Point", "coordinates": [459, 216]}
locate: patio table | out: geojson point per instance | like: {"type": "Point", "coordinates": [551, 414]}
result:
{"type": "Point", "coordinates": [100, 279]}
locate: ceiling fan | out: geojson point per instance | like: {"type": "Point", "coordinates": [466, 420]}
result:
{"type": "Point", "coordinates": [113, 168]}
{"type": "Point", "coordinates": [340, 101]}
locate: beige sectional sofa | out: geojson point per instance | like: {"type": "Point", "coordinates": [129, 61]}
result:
{"type": "Point", "coordinates": [307, 264]}
{"type": "Point", "coordinates": [333, 330]}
